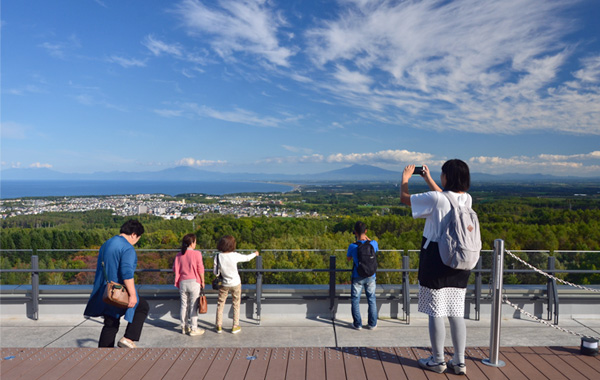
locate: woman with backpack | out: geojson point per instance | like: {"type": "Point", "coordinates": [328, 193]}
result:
{"type": "Point", "coordinates": [442, 289]}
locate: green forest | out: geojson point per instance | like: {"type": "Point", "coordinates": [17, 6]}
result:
{"type": "Point", "coordinates": [550, 221]}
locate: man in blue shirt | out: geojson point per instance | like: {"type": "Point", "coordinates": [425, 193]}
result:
{"type": "Point", "coordinates": [358, 282]}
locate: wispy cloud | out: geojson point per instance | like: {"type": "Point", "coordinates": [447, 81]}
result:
{"type": "Point", "coordinates": [574, 165]}
{"type": "Point", "coordinates": [199, 163]}
{"type": "Point", "coordinates": [158, 47]}
{"type": "Point", "coordinates": [237, 115]}
{"type": "Point", "coordinates": [384, 157]}
{"type": "Point", "coordinates": [237, 26]}
{"type": "Point", "coordinates": [127, 62]}
{"type": "Point", "coordinates": [470, 65]}
{"type": "Point", "coordinates": [61, 48]}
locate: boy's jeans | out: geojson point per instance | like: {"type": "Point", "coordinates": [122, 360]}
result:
{"type": "Point", "coordinates": [357, 285]}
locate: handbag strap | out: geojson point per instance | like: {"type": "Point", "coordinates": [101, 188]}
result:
{"type": "Point", "coordinates": [104, 270]}
{"type": "Point", "coordinates": [218, 265]}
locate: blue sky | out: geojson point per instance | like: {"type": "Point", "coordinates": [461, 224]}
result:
{"type": "Point", "coordinates": [301, 86]}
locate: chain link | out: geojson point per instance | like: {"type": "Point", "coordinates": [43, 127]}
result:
{"type": "Point", "coordinates": [506, 301]}
{"type": "Point", "coordinates": [549, 275]}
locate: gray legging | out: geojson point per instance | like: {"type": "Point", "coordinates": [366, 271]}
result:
{"type": "Point", "coordinates": [437, 335]}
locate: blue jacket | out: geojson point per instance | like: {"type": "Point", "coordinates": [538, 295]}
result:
{"type": "Point", "coordinates": [120, 261]}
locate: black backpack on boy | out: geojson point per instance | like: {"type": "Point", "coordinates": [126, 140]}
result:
{"type": "Point", "coordinates": [367, 259]}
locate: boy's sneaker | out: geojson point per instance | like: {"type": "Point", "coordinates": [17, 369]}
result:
{"type": "Point", "coordinates": [355, 327]}
{"type": "Point", "coordinates": [196, 332]}
{"type": "Point", "coordinates": [429, 365]}
{"type": "Point", "coordinates": [371, 327]}
{"type": "Point", "coordinates": [219, 329]}
{"type": "Point", "coordinates": [236, 329]}
{"type": "Point", "coordinates": [459, 369]}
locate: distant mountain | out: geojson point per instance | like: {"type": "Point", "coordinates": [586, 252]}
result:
{"type": "Point", "coordinates": [354, 173]}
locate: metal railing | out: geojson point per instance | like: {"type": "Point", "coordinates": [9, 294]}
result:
{"type": "Point", "coordinates": [551, 298]}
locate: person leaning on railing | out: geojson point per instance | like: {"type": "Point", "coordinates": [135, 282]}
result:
{"type": "Point", "coordinates": [118, 258]}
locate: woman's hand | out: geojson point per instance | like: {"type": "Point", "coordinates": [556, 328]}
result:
{"type": "Point", "coordinates": [132, 301]}
{"type": "Point", "coordinates": [408, 172]}
{"type": "Point", "coordinates": [257, 253]}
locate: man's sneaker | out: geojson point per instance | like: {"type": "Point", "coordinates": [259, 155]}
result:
{"type": "Point", "coordinates": [371, 327]}
{"type": "Point", "coordinates": [196, 332]}
{"type": "Point", "coordinates": [219, 329]}
{"type": "Point", "coordinates": [356, 327]}
{"type": "Point", "coordinates": [126, 343]}
{"type": "Point", "coordinates": [429, 365]}
{"type": "Point", "coordinates": [236, 329]}
{"type": "Point", "coordinates": [459, 369]}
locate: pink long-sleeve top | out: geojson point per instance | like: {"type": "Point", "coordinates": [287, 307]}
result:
{"type": "Point", "coordinates": [188, 266]}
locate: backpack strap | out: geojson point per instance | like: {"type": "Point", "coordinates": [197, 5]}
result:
{"type": "Point", "coordinates": [453, 204]}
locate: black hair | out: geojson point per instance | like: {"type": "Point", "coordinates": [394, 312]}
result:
{"type": "Point", "coordinates": [360, 228]}
{"type": "Point", "coordinates": [132, 226]}
{"type": "Point", "coordinates": [187, 240]}
{"type": "Point", "coordinates": [457, 175]}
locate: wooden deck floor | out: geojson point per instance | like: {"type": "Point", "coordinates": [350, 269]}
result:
{"type": "Point", "coordinates": [311, 363]}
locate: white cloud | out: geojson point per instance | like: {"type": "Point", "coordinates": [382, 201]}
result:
{"type": "Point", "coordinates": [384, 157]}
{"type": "Point", "coordinates": [159, 48]}
{"type": "Point", "coordinates": [296, 149]}
{"type": "Point", "coordinates": [168, 113]}
{"type": "Point", "coordinates": [572, 165]}
{"type": "Point", "coordinates": [39, 165]}
{"type": "Point", "coordinates": [469, 65]}
{"type": "Point", "coordinates": [237, 115]}
{"type": "Point", "coordinates": [237, 26]}
{"type": "Point", "coordinates": [198, 163]}
{"type": "Point", "coordinates": [127, 62]}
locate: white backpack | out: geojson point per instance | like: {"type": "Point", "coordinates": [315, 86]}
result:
{"type": "Point", "coordinates": [460, 239]}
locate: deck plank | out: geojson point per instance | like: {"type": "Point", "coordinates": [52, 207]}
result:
{"type": "Point", "coordinates": [580, 362]}
{"type": "Point", "coordinates": [278, 363]}
{"type": "Point", "coordinates": [408, 360]}
{"type": "Point", "coordinates": [220, 365]}
{"type": "Point", "coordinates": [475, 366]}
{"type": "Point", "coordinates": [85, 364]}
{"type": "Point", "coordinates": [315, 363]}
{"type": "Point", "coordinates": [258, 367]}
{"type": "Point", "coordinates": [334, 364]}
{"type": "Point", "coordinates": [20, 355]}
{"type": "Point", "coordinates": [183, 363]}
{"type": "Point", "coordinates": [372, 363]}
{"type": "Point", "coordinates": [390, 362]}
{"type": "Point", "coordinates": [296, 369]}
{"type": "Point", "coordinates": [540, 364]}
{"type": "Point", "coordinates": [239, 364]}
{"type": "Point", "coordinates": [201, 364]}
{"type": "Point", "coordinates": [353, 362]}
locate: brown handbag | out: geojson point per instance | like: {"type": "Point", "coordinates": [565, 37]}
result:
{"type": "Point", "coordinates": [202, 303]}
{"type": "Point", "coordinates": [115, 294]}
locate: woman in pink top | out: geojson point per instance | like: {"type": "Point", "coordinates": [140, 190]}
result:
{"type": "Point", "coordinates": [189, 278]}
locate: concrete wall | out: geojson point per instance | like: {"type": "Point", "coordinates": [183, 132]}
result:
{"type": "Point", "coordinates": [310, 301]}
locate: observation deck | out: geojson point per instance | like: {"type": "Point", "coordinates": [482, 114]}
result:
{"type": "Point", "coordinates": [295, 331]}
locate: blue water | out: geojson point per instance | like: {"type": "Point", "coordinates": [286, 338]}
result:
{"type": "Point", "coordinates": [10, 189]}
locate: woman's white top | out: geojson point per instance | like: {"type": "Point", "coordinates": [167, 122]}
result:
{"type": "Point", "coordinates": [433, 206]}
{"type": "Point", "coordinates": [228, 264]}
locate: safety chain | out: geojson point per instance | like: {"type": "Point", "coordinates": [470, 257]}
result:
{"type": "Point", "coordinates": [506, 301]}
{"type": "Point", "coordinates": [549, 275]}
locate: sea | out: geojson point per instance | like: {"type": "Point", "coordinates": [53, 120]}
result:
{"type": "Point", "coordinates": [11, 189]}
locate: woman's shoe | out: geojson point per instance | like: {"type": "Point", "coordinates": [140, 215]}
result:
{"type": "Point", "coordinates": [126, 343]}
{"type": "Point", "coordinates": [196, 332]}
{"type": "Point", "coordinates": [459, 369]}
{"type": "Point", "coordinates": [219, 329]}
{"type": "Point", "coordinates": [430, 365]}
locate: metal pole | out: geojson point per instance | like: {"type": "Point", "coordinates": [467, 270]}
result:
{"type": "Point", "coordinates": [498, 267]}
{"type": "Point", "coordinates": [332, 260]}
{"type": "Point", "coordinates": [478, 284]}
{"type": "Point", "coordinates": [406, 289]}
{"type": "Point", "coordinates": [35, 287]}
{"type": "Point", "coordinates": [259, 275]}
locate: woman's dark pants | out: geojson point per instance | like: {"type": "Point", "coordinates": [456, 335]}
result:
{"type": "Point", "coordinates": [134, 329]}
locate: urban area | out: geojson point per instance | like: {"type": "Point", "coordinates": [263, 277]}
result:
{"type": "Point", "coordinates": [156, 204]}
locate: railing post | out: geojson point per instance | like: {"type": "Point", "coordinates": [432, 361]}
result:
{"type": "Point", "coordinates": [259, 280]}
{"type": "Point", "coordinates": [478, 285]}
{"type": "Point", "coordinates": [498, 267]}
{"type": "Point", "coordinates": [406, 288]}
{"type": "Point", "coordinates": [35, 286]}
{"type": "Point", "coordinates": [332, 267]}
{"type": "Point", "coordinates": [552, 291]}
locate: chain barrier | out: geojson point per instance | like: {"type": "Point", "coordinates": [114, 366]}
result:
{"type": "Point", "coordinates": [549, 275]}
{"type": "Point", "coordinates": [506, 301]}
